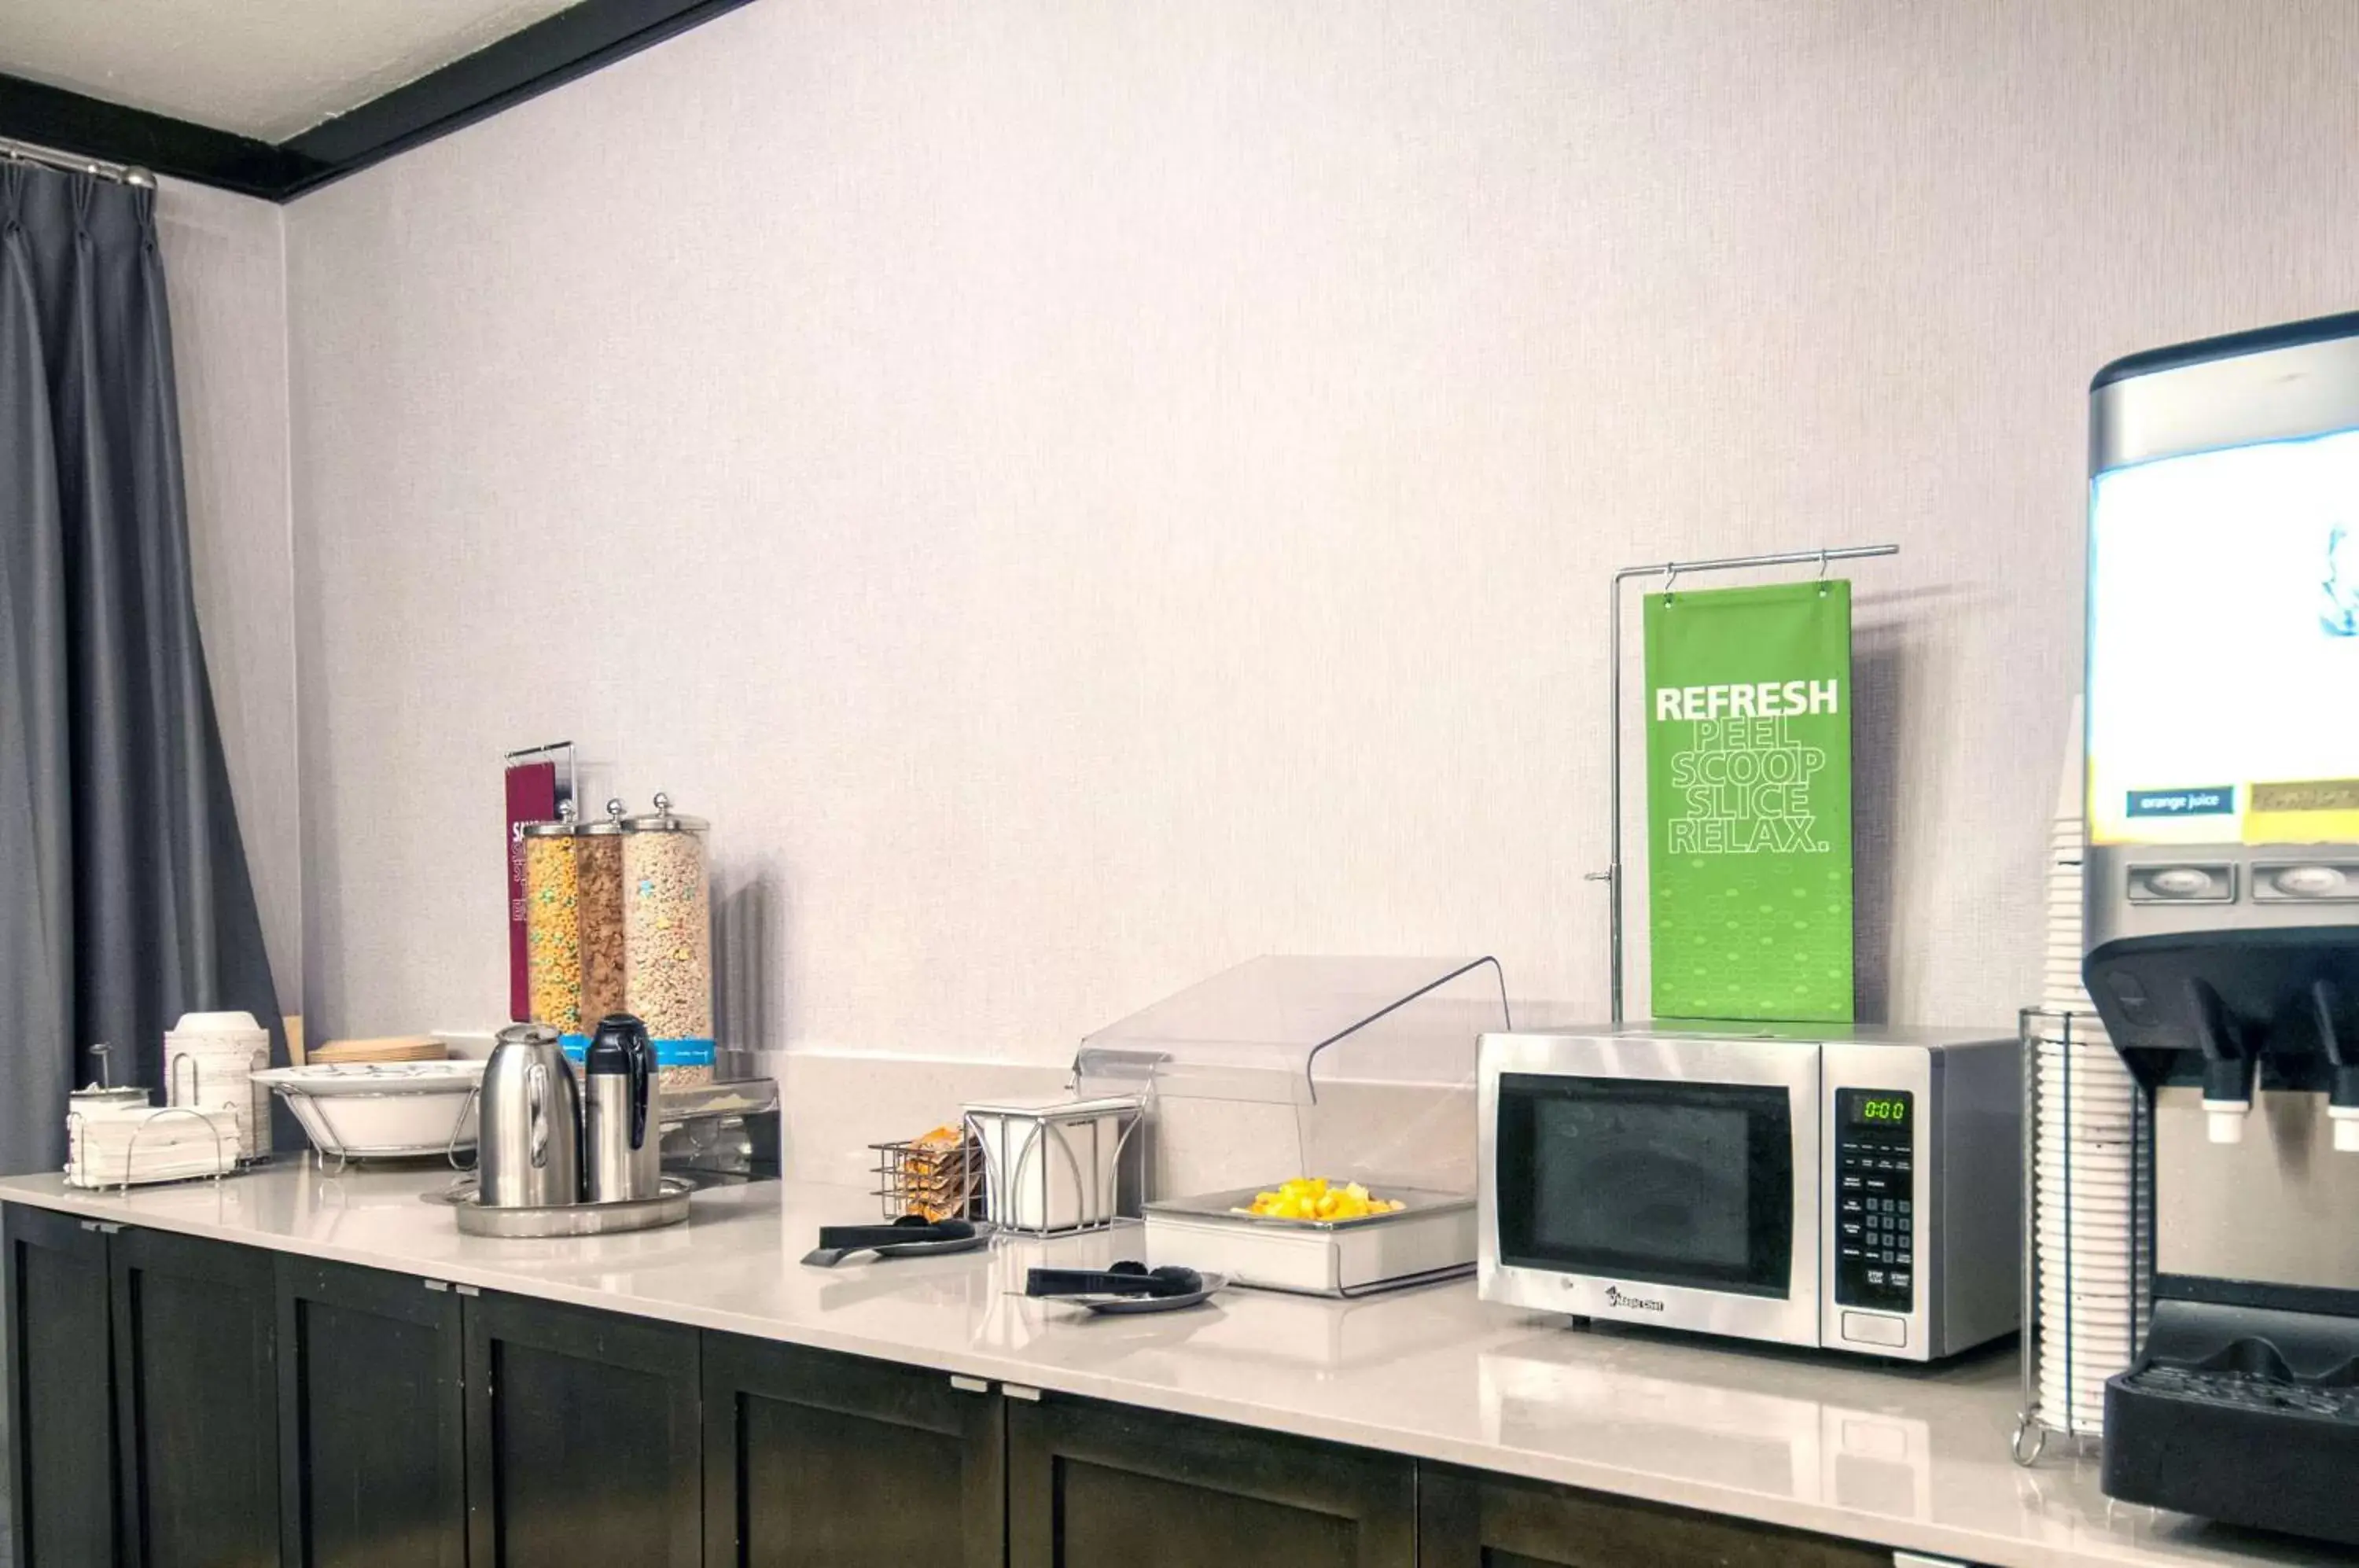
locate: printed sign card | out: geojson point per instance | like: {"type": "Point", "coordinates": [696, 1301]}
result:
{"type": "Point", "coordinates": [1749, 803]}
{"type": "Point", "coordinates": [532, 797]}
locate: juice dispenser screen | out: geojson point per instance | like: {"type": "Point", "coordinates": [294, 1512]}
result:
{"type": "Point", "coordinates": [2223, 646]}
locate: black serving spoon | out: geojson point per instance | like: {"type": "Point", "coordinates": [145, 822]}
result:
{"type": "Point", "coordinates": [906, 1235]}
{"type": "Point", "coordinates": [1124, 1278]}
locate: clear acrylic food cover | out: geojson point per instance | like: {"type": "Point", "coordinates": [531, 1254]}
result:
{"type": "Point", "coordinates": [1351, 1068]}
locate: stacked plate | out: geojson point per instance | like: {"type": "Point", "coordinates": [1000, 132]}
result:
{"type": "Point", "coordinates": [210, 1059]}
{"type": "Point", "coordinates": [148, 1143]}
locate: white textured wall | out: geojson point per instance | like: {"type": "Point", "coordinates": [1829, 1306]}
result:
{"type": "Point", "coordinates": [224, 261]}
{"type": "Point", "coordinates": [1083, 493]}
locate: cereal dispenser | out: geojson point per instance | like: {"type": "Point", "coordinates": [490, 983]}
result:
{"type": "Point", "coordinates": [599, 906]}
{"type": "Point", "coordinates": [551, 921]}
{"type": "Point", "coordinates": [667, 941]}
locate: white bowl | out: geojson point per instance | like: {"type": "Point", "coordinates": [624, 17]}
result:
{"type": "Point", "coordinates": [324, 1078]}
{"type": "Point", "coordinates": [366, 1109]}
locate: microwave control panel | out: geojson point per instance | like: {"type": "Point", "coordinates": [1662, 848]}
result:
{"type": "Point", "coordinates": [1876, 1181]}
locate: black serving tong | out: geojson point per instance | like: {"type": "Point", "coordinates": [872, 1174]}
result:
{"type": "Point", "coordinates": [911, 1236]}
{"type": "Point", "coordinates": [1124, 1278]}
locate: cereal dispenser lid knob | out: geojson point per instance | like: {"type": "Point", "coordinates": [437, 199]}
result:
{"type": "Point", "coordinates": [614, 808]}
{"type": "Point", "coordinates": [663, 819]}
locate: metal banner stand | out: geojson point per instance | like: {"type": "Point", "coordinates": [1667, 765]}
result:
{"type": "Point", "coordinates": [1671, 572]}
{"type": "Point", "coordinates": [556, 749]}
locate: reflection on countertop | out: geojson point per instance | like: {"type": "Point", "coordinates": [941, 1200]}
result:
{"type": "Point", "coordinates": [1907, 1457]}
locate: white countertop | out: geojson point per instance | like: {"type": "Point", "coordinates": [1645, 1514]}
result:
{"type": "Point", "coordinates": [1903, 1457]}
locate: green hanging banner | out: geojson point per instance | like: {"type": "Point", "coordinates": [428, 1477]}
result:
{"type": "Point", "coordinates": [1749, 803]}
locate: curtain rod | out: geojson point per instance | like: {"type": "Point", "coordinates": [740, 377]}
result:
{"type": "Point", "coordinates": [69, 163]}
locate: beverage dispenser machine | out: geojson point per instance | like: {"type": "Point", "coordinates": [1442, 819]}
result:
{"type": "Point", "coordinates": [2222, 876]}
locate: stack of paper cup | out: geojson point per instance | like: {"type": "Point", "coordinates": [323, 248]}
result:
{"type": "Point", "coordinates": [208, 1062]}
{"type": "Point", "coordinates": [2095, 1261]}
{"type": "Point", "coordinates": [2061, 989]}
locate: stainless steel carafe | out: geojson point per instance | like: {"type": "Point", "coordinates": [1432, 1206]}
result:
{"type": "Point", "coordinates": [622, 1144]}
{"type": "Point", "coordinates": [530, 1124]}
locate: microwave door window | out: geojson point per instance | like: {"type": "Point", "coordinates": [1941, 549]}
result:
{"type": "Point", "coordinates": [1665, 1183]}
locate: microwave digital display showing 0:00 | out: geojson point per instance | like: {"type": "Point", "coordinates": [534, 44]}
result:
{"type": "Point", "coordinates": [1872, 1108]}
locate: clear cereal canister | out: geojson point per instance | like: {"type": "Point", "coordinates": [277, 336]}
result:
{"type": "Point", "coordinates": [667, 941]}
{"type": "Point", "coordinates": [599, 903]}
{"type": "Point", "coordinates": [552, 932]}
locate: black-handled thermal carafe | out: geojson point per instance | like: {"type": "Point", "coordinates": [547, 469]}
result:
{"type": "Point", "coordinates": [621, 1141]}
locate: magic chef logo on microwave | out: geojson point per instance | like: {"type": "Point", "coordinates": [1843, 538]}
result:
{"type": "Point", "coordinates": [1615, 1296]}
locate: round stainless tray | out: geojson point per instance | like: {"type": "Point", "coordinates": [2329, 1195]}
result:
{"type": "Point", "coordinates": [669, 1206]}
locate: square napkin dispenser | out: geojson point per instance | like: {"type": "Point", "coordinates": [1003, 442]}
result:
{"type": "Point", "coordinates": [1054, 1166]}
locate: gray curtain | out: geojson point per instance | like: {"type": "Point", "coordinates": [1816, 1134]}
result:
{"type": "Point", "coordinates": [129, 902]}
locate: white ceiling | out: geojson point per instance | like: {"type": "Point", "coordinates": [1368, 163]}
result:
{"type": "Point", "coordinates": [263, 68]}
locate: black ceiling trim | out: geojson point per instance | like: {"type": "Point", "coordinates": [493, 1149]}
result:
{"type": "Point", "coordinates": [550, 53]}
{"type": "Point", "coordinates": [89, 128]}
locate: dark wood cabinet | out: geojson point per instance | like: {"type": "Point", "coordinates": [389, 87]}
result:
{"type": "Point", "coordinates": [370, 1420]}
{"type": "Point", "coordinates": [63, 1500]}
{"type": "Point", "coordinates": [1472, 1519]}
{"type": "Point", "coordinates": [177, 1402]}
{"type": "Point", "coordinates": [582, 1438]}
{"type": "Point", "coordinates": [819, 1461]}
{"type": "Point", "coordinates": [196, 1401]}
{"type": "Point", "coordinates": [1094, 1485]}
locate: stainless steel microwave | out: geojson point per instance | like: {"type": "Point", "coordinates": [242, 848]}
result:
{"type": "Point", "coordinates": [1852, 1190]}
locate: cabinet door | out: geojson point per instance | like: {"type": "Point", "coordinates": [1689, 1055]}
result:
{"type": "Point", "coordinates": [1092, 1486]}
{"type": "Point", "coordinates": [196, 1400]}
{"type": "Point", "coordinates": [372, 1471]}
{"type": "Point", "coordinates": [821, 1461]}
{"type": "Point", "coordinates": [60, 1376]}
{"type": "Point", "coordinates": [582, 1438]}
{"type": "Point", "coordinates": [1471, 1520]}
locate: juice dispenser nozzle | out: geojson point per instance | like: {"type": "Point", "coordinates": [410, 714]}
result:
{"type": "Point", "coordinates": [2228, 1067]}
{"type": "Point", "coordinates": [2342, 1053]}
